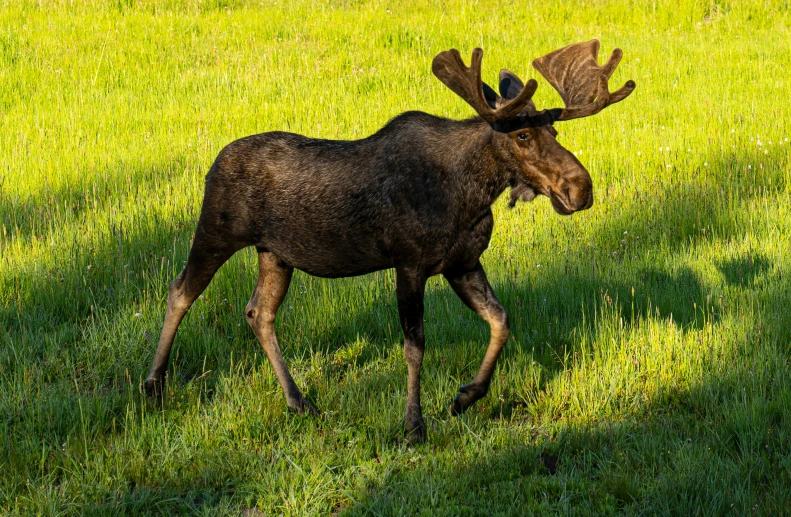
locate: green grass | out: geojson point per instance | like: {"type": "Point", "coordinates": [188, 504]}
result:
{"type": "Point", "coordinates": [648, 371]}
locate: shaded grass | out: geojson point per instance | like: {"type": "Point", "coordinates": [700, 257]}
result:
{"type": "Point", "coordinates": [648, 368]}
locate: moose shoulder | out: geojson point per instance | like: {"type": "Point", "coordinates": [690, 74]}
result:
{"type": "Point", "coordinates": [415, 196]}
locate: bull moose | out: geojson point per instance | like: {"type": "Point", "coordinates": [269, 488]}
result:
{"type": "Point", "coordinates": [415, 196]}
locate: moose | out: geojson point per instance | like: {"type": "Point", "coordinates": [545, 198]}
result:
{"type": "Point", "coordinates": [415, 196]}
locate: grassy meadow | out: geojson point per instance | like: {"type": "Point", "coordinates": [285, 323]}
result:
{"type": "Point", "coordinates": [648, 368]}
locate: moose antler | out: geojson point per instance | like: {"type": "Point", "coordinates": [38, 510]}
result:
{"type": "Point", "coordinates": [575, 73]}
{"type": "Point", "coordinates": [466, 83]}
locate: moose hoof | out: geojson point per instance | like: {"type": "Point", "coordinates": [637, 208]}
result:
{"type": "Point", "coordinates": [302, 407]}
{"type": "Point", "coordinates": [154, 386]}
{"type": "Point", "coordinates": [416, 432]}
{"type": "Point", "coordinates": [467, 395]}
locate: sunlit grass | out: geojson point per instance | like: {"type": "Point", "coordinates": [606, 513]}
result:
{"type": "Point", "coordinates": [648, 368]}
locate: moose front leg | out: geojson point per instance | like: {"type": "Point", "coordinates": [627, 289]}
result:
{"type": "Point", "coordinates": [474, 290]}
{"type": "Point", "coordinates": [410, 286]}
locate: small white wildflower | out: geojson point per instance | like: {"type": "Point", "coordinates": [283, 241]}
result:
{"type": "Point", "coordinates": [667, 148]}
{"type": "Point", "coordinates": [760, 144]}
{"type": "Point", "coordinates": [639, 153]}
{"type": "Point", "coordinates": [749, 166]}
{"type": "Point", "coordinates": [705, 164]}
{"type": "Point", "coordinates": [733, 131]}
{"type": "Point", "coordinates": [89, 267]}
{"type": "Point", "coordinates": [689, 150]}
{"type": "Point", "coordinates": [626, 233]}
{"type": "Point", "coordinates": [766, 152]}
{"type": "Point", "coordinates": [137, 315]}
{"type": "Point", "coordinates": [538, 266]}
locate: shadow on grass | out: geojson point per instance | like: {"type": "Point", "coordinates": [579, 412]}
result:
{"type": "Point", "coordinates": [60, 311]}
{"type": "Point", "coordinates": [25, 217]}
{"type": "Point", "coordinates": [685, 456]}
{"type": "Point", "coordinates": [64, 303]}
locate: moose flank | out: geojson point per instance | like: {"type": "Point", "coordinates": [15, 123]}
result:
{"type": "Point", "coordinates": [415, 196]}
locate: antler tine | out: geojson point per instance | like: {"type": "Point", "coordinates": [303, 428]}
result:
{"type": "Point", "coordinates": [612, 63]}
{"type": "Point", "coordinates": [466, 83]}
{"type": "Point", "coordinates": [575, 73]}
{"type": "Point", "coordinates": [462, 80]}
{"type": "Point", "coordinates": [516, 106]}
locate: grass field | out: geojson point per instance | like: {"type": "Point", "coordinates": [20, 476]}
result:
{"type": "Point", "coordinates": [648, 368]}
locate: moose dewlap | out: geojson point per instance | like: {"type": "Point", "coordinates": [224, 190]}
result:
{"type": "Point", "coordinates": [415, 196]}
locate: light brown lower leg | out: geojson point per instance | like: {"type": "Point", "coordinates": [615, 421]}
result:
{"type": "Point", "coordinates": [274, 278]}
{"type": "Point", "coordinates": [203, 263]}
{"type": "Point", "coordinates": [475, 291]}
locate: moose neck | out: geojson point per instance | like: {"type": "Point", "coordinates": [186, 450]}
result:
{"type": "Point", "coordinates": [478, 164]}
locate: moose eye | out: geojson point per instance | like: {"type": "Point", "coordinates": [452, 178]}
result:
{"type": "Point", "coordinates": [522, 136]}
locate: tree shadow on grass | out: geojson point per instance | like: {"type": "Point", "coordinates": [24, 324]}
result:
{"type": "Point", "coordinates": [72, 202]}
{"type": "Point", "coordinates": [545, 313]}
{"type": "Point", "coordinates": [544, 317]}
{"type": "Point", "coordinates": [669, 465]}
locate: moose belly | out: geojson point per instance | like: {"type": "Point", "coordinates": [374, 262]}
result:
{"type": "Point", "coordinates": [344, 244]}
{"type": "Point", "coordinates": [329, 254]}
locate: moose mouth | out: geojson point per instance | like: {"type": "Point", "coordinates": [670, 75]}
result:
{"type": "Point", "coordinates": [560, 205]}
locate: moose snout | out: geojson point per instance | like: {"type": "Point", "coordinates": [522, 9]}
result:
{"type": "Point", "coordinates": [573, 196]}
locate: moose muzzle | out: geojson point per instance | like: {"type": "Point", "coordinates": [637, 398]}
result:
{"type": "Point", "coordinates": [575, 194]}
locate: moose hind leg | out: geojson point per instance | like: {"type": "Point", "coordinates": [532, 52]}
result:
{"type": "Point", "coordinates": [274, 278]}
{"type": "Point", "coordinates": [410, 288]}
{"type": "Point", "coordinates": [474, 290]}
{"type": "Point", "coordinates": [206, 257]}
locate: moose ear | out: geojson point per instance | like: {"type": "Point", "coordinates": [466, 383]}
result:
{"type": "Point", "coordinates": [510, 85]}
{"type": "Point", "coordinates": [490, 95]}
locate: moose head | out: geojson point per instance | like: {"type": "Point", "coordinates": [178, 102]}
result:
{"type": "Point", "coordinates": [541, 165]}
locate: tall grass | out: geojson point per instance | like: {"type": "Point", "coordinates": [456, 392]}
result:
{"type": "Point", "coordinates": [648, 372]}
